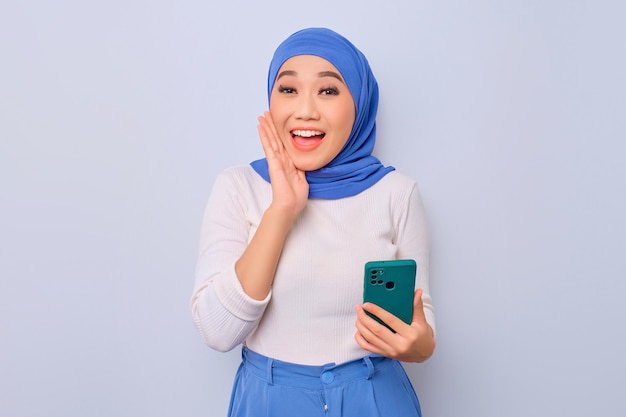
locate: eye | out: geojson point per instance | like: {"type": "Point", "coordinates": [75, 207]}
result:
{"type": "Point", "coordinates": [330, 91]}
{"type": "Point", "coordinates": [286, 90]}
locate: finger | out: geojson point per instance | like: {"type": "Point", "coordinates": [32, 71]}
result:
{"type": "Point", "coordinates": [418, 307]}
{"type": "Point", "coordinates": [270, 122]}
{"type": "Point", "coordinates": [269, 143]}
{"type": "Point", "coordinates": [392, 321]}
{"type": "Point", "coordinates": [271, 132]}
{"type": "Point", "coordinates": [365, 344]}
{"type": "Point", "coordinates": [375, 333]}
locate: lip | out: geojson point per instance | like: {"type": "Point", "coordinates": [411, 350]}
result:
{"type": "Point", "coordinates": [305, 144]}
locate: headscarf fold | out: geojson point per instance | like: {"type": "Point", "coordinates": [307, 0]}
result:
{"type": "Point", "coordinates": [354, 169]}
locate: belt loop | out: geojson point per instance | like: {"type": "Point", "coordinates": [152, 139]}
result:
{"type": "Point", "coordinates": [370, 367]}
{"type": "Point", "coordinates": [270, 372]}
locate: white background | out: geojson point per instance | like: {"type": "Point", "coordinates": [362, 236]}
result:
{"type": "Point", "coordinates": [116, 116]}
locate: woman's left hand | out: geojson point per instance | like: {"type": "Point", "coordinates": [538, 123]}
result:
{"type": "Point", "coordinates": [413, 342]}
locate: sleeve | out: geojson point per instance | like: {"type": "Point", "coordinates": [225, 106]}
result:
{"type": "Point", "coordinates": [222, 312]}
{"type": "Point", "coordinates": [412, 242]}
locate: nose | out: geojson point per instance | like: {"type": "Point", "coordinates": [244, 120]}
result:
{"type": "Point", "coordinates": [307, 108]}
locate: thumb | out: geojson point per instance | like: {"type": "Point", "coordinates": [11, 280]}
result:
{"type": "Point", "coordinates": [418, 307]}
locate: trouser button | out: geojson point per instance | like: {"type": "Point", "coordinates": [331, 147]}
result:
{"type": "Point", "coordinates": [328, 377]}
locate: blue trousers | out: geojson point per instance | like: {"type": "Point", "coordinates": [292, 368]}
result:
{"type": "Point", "coordinates": [374, 386]}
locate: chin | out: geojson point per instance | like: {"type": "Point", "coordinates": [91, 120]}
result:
{"type": "Point", "coordinates": [306, 164]}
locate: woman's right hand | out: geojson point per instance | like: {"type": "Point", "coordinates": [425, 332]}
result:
{"type": "Point", "coordinates": [257, 265]}
{"type": "Point", "coordinates": [290, 189]}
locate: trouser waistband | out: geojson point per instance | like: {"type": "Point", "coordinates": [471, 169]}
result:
{"type": "Point", "coordinates": [313, 377]}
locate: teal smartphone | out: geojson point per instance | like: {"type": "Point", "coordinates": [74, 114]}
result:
{"type": "Point", "coordinates": [391, 285]}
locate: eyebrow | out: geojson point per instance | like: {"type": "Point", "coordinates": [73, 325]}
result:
{"type": "Point", "coordinates": [330, 74]}
{"type": "Point", "coordinates": [320, 74]}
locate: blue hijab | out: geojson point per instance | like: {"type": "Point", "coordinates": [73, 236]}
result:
{"type": "Point", "coordinates": [354, 169]}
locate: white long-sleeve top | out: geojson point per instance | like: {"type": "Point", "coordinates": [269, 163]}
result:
{"type": "Point", "coordinates": [308, 317]}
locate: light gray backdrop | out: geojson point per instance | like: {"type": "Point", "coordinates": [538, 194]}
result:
{"type": "Point", "coordinates": [116, 116]}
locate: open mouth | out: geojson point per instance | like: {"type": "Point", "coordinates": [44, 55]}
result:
{"type": "Point", "coordinates": [307, 139]}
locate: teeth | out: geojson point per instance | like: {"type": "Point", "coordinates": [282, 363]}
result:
{"type": "Point", "coordinates": [307, 133]}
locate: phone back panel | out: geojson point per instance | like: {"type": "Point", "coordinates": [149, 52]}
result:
{"type": "Point", "coordinates": [391, 285]}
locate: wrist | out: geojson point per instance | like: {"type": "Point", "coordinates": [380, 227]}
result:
{"type": "Point", "coordinates": [279, 214]}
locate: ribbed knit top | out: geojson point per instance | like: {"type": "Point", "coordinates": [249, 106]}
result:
{"type": "Point", "coordinates": [309, 315]}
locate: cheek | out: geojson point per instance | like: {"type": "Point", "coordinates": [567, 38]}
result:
{"type": "Point", "coordinates": [344, 123]}
{"type": "Point", "coordinates": [278, 114]}
{"type": "Point", "coordinates": [347, 120]}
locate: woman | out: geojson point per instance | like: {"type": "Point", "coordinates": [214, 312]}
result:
{"type": "Point", "coordinates": [285, 239]}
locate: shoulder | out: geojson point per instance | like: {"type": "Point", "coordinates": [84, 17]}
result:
{"type": "Point", "coordinates": [239, 171]}
{"type": "Point", "coordinates": [241, 175]}
{"type": "Point", "coordinates": [241, 180]}
{"type": "Point", "coordinates": [395, 182]}
{"type": "Point", "coordinates": [397, 190]}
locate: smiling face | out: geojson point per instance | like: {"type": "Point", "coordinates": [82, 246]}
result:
{"type": "Point", "coordinates": [312, 109]}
